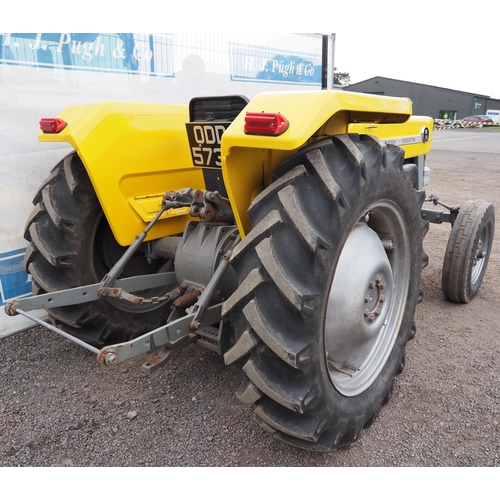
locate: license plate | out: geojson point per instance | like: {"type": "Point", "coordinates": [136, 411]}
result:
{"type": "Point", "coordinates": [204, 143]}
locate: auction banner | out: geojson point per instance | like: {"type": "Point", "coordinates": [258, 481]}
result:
{"type": "Point", "coordinates": [43, 73]}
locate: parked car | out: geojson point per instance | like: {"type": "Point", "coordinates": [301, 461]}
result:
{"type": "Point", "coordinates": [481, 120]}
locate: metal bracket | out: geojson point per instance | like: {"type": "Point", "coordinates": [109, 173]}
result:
{"type": "Point", "coordinates": [210, 206]}
{"type": "Point", "coordinates": [438, 216]}
{"type": "Point", "coordinates": [166, 352]}
{"type": "Point", "coordinates": [89, 293]}
{"type": "Point", "coordinates": [164, 335]}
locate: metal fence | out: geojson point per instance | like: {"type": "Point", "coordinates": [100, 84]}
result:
{"type": "Point", "coordinates": [440, 124]}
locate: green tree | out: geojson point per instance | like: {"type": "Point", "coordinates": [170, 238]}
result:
{"type": "Point", "coordinates": [341, 78]}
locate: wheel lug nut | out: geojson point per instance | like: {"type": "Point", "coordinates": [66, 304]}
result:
{"type": "Point", "coordinates": [377, 311]}
{"type": "Point", "coordinates": [382, 298]}
{"type": "Point", "coordinates": [367, 298]}
{"type": "Point", "coordinates": [371, 285]}
{"type": "Point", "coordinates": [369, 315]}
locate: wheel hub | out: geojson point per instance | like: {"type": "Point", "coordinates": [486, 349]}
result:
{"type": "Point", "coordinates": [479, 257]}
{"type": "Point", "coordinates": [357, 308]}
{"type": "Point", "coordinates": [376, 299]}
{"type": "Point", "coordinates": [367, 299]}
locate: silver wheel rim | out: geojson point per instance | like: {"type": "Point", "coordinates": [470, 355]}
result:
{"type": "Point", "coordinates": [367, 298]}
{"type": "Point", "coordinates": [480, 253]}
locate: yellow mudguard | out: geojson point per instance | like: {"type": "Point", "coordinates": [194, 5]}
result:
{"type": "Point", "coordinates": [249, 160]}
{"type": "Point", "coordinates": [133, 153]}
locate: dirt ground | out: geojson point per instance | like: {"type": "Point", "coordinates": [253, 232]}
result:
{"type": "Point", "coordinates": [59, 407]}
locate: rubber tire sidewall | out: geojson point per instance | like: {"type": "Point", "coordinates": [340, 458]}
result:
{"type": "Point", "coordinates": [343, 416]}
{"type": "Point", "coordinates": [462, 245]}
{"type": "Point", "coordinates": [72, 197]}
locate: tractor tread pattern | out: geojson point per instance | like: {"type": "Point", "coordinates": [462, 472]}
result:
{"type": "Point", "coordinates": [306, 200]}
{"type": "Point", "coordinates": [59, 256]}
{"type": "Point", "coordinates": [457, 267]}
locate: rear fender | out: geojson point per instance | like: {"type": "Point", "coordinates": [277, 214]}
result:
{"type": "Point", "coordinates": [133, 153]}
{"type": "Point", "coordinates": [249, 160]}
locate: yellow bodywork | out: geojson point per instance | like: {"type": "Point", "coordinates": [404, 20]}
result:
{"type": "Point", "coordinates": [249, 160]}
{"type": "Point", "coordinates": [135, 152]}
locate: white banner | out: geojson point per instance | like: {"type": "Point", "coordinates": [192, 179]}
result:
{"type": "Point", "coordinates": [43, 73]}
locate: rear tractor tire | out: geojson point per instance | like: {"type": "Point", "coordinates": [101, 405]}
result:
{"type": "Point", "coordinates": [70, 245]}
{"type": "Point", "coordinates": [468, 251]}
{"type": "Point", "coordinates": [328, 285]}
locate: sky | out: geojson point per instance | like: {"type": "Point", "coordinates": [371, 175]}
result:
{"type": "Point", "coordinates": [445, 43]}
{"type": "Point", "coordinates": [459, 63]}
{"type": "Point", "coordinates": [449, 44]}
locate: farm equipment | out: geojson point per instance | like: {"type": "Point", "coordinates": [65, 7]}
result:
{"type": "Point", "coordinates": [284, 233]}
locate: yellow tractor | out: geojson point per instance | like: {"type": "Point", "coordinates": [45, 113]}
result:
{"type": "Point", "coordinates": [285, 233]}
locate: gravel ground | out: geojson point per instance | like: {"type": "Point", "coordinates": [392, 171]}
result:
{"type": "Point", "coordinates": [58, 407]}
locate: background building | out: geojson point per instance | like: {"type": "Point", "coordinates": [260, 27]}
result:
{"type": "Point", "coordinates": [429, 100]}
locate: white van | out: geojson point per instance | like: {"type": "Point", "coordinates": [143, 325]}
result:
{"type": "Point", "coordinates": [494, 114]}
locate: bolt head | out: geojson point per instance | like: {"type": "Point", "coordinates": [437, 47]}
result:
{"type": "Point", "coordinates": [110, 358]}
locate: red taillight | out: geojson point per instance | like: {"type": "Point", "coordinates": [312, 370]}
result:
{"type": "Point", "coordinates": [265, 123]}
{"type": "Point", "coordinates": [52, 125]}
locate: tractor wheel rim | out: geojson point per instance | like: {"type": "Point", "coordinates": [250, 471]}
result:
{"type": "Point", "coordinates": [367, 298]}
{"type": "Point", "coordinates": [480, 253]}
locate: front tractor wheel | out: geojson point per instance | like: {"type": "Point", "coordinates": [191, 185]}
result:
{"type": "Point", "coordinates": [468, 251]}
{"type": "Point", "coordinates": [329, 282]}
{"type": "Point", "coordinates": [71, 245]}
